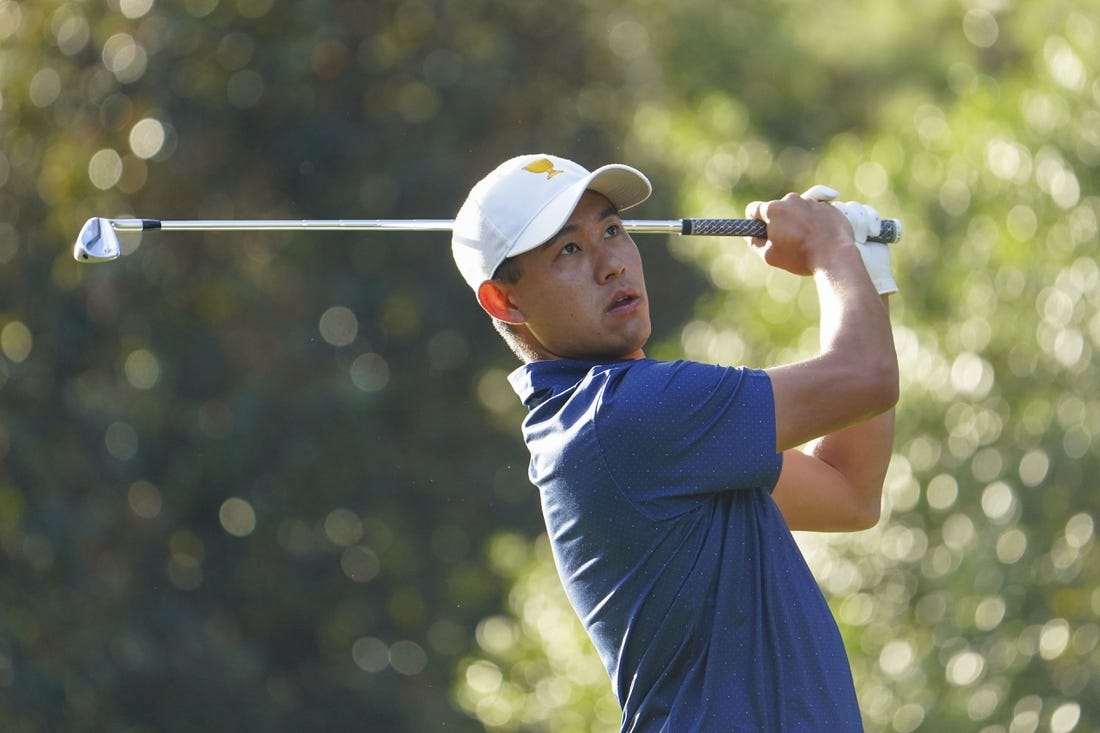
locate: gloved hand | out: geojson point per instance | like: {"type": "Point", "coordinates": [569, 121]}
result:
{"type": "Point", "coordinates": [865, 222]}
{"type": "Point", "coordinates": [821, 193]}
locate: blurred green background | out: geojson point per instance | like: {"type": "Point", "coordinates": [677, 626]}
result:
{"type": "Point", "coordinates": [274, 482]}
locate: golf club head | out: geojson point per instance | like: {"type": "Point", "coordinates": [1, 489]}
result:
{"type": "Point", "coordinates": [97, 242]}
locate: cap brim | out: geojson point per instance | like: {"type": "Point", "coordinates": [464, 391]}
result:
{"type": "Point", "coordinates": [621, 185]}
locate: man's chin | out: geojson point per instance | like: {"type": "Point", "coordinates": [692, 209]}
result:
{"type": "Point", "coordinates": [634, 350]}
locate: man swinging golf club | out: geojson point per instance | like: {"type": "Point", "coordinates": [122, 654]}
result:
{"type": "Point", "coordinates": [670, 489]}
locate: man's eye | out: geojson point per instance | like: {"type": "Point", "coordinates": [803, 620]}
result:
{"type": "Point", "coordinates": [570, 248]}
{"type": "Point", "coordinates": [613, 230]}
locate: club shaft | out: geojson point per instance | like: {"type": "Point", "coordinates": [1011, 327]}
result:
{"type": "Point", "coordinates": [891, 228]}
{"type": "Point", "coordinates": [381, 225]}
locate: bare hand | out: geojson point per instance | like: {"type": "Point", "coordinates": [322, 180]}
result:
{"type": "Point", "coordinates": [802, 232]}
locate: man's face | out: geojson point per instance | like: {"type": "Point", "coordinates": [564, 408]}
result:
{"type": "Point", "coordinates": [582, 294]}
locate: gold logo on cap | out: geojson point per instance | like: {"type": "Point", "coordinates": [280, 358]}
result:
{"type": "Point", "coordinates": [543, 165]}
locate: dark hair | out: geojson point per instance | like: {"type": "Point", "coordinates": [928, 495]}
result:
{"type": "Point", "coordinates": [509, 272]}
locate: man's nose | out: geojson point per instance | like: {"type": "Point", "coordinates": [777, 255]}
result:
{"type": "Point", "coordinates": [612, 264]}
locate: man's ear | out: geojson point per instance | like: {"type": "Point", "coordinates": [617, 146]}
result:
{"type": "Point", "coordinates": [497, 302]}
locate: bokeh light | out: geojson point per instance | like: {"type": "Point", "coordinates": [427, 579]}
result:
{"type": "Point", "coordinates": [339, 326]}
{"type": "Point", "coordinates": [147, 138]}
{"type": "Point", "coordinates": [237, 517]}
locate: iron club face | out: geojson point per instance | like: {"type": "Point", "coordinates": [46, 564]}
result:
{"type": "Point", "coordinates": [97, 242]}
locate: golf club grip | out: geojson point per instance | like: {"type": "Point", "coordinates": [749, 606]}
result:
{"type": "Point", "coordinates": [890, 232]}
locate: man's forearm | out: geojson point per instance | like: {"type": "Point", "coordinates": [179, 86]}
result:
{"type": "Point", "coordinates": [855, 322]}
{"type": "Point", "coordinates": [862, 452]}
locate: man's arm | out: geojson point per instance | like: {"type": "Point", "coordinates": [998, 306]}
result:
{"type": "Point", "coordinates": [843, 398]}
{"type": "Point", "coordinates": [835, 484]}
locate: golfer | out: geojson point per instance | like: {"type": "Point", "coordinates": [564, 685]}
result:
{"type": "Point", "coordinates": [670, 489]}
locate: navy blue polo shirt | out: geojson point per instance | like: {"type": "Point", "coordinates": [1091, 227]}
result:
{"type": "Point", "coordinates": [655, 480]}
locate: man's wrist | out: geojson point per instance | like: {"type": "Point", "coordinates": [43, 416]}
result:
{"type": "Point", "coordinates": [838, 258]}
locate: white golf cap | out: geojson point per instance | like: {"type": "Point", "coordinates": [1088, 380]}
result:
{"type": "Point", "coordinates": [525, 202]}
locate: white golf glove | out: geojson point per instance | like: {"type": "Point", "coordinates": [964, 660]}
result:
{"type": "Point", "coordinates": [865, 222]}
{"type": "Point", "coordinates": [821, 193]}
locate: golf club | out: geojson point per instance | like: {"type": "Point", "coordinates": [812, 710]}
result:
{"type": "Point", "coordinates": [98, 238]}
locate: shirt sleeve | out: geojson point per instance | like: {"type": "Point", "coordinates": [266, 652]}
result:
{"type": "Point", "coordinates": [673, 433]}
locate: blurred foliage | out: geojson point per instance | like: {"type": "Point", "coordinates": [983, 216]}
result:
{"type": "Point", "coordinates": [542, 673]}
{"type": "Point", "coordinates": [270, 482]}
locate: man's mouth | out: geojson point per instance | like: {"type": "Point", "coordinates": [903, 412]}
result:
{"type": "Point", "coordinates": [622, 301]}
